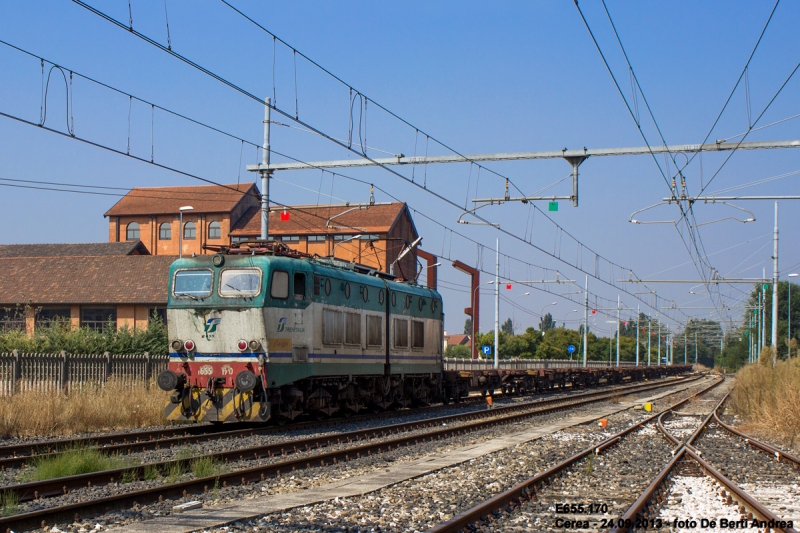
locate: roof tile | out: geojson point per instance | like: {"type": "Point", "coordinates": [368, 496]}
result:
{"type": "Point", "coordinates": [167, 200]}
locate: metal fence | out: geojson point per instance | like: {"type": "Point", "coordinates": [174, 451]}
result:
{"type": "Point", "coordinates": [62, 371]}
{"type": "Point", "coordinates": [485, 364]}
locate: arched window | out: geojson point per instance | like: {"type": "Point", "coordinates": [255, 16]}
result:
{"type": "Point", "coordinates": [214, 230]}
{"type": "Point", "coordinates": [189, 231]}
{"type": "Point", "coordinates": [165, 231]}
{"type": "Point", "coordinates": [132, 234]}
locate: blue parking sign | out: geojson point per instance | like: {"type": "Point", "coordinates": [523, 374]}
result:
{"type": "Point", "coordinates": [571, 348]}
{"type": "Point", "coordinates": [487, 349]}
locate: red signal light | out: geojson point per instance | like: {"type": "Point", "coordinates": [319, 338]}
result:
{"type": "Point", "coordinates": [594, 311]}
{"type": "Point", "coordinates": [284, 215]}
{"type": "Point", "coordinates": [508, 286]}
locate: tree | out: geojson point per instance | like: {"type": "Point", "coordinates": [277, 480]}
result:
{"type": "Point", "coordinates": [507, 327]}
{"type": "Point", "coordinates": [457, 350]}
{"type": "Point", "coordinates": [468, 327]}
{"type": "Point", "coordinates": [546, 322]}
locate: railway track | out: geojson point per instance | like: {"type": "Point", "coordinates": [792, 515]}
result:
{"type": "Point", "coordinates": [21, 454]}
{"type": "Point", "coordinates": [335, 452]}
{"type": "Point", "coordinates": [585, 492]}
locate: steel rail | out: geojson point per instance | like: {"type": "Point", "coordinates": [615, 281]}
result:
{"type": "Point", "coordinates": [58, 486]}
{"type": "Point", "coordinates": [525, 490]}
{"type": "Point", "coordinates": [780, 455]}
{"type": "Point", "coordinates": [76, 511]}
{"type": "Point", "coordinates": [637, 510]}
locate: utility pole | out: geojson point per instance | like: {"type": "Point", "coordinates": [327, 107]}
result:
{"type": "Point", "coordinates": [618, 319]}
{"type": "Point", "coordinates": [684, 347]}
{"type": "Point", "coordinates": [695, 347]}
{"type": "Point", "coordinates": [763, 311]}
{"type": "Point", "coordinates": [637, 334]}
{"type": "Point", "coordinates": [774, 340]}
{"type": "Point", "coordinates": [496, 303]}
{"type": "Point", "coordinates": [265, 174]}
{"type": "Point", "coordinates": [585, 320]}
{"type": "Point", "coordinates": [649, 337]}
{"type": "Point", "coordinates": [659, 342]}
{"type": "Point", "coordinates": [758, 329]}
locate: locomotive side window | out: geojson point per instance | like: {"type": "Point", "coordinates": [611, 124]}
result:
{"type": "Point", "coordinates": [417, 334]}
{"type": "Point", "coordinates": [240, 282]}
{"type": "Point", "coordinates": [400, 333]}
{"type": "Point", "coordinates": [279, 288]}
{"type": "Point", "coordinates": [299, 286]}
{"type": "Point", "coordinates": [352, 329]}
{"type": "Point", "coordinates": [192, 283]}
{"type": "Point", "coordinates": [332, 326]}
{"type": "Point", "coordinates": [374, 331]}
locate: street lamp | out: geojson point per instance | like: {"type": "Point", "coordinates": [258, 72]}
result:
{"type": "Point", "coordinates": [789, 339]}
{"type": "Point", "coordinates": [180, 233]}
{"type": "Point", "coordinates": [565, 316]}
{"type": "Point", "coordinates": [542, 313]}
{"type": "Point", "coordinates": [474, 309]}
{"type": "Point", "coordinates": [333, 252]}
{"type": "Point", "coordinates": [513, 320]}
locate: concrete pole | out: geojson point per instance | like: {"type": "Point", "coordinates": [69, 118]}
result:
{"type": "Point", "coordinates": [637, 334]}
{"type": "Point", "coordinates": [763, 310]}
{"type": "Point", "coordinates": [695, 347]}
{"type": "Point", "coordinates": [774, 336]}
{"type": "Point", "coordinates": [585, 321]}
{"type": "Point", "coordinates": [497, 304]}
{"type": "Point", "coordinates": [685, 360]}
{"type": "Point", "coordinates": [659, 342]}
{"type": "Point", "coordinates": [618, 319]}
{"type": "Point", "coordinates": [265, 173]}
{"type": "Point", "coordinates": [649, 337]}
{"type": "Point", "coordinates": [758, 330]}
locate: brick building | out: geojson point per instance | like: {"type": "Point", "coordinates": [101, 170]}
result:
{"type": "Point", "coordinates": [370, 234]}
{"type": "Point", "coordinates": [86, 284]}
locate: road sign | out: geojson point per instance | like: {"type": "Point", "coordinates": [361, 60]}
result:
{"type": "Point", "coordinates": [487, 349]}
{"type": "Point", "coordinates": [571, 348]}
{"type": "Point", "coordinates": [766, 287]}
{"type": "Point", "coordinates": [552, 206]}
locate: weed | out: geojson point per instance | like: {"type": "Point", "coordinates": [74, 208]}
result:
{"type": "Point", "coordinates": [185, 453]}
{"type": "Point", "coordinates": [74, 461]}
{"type": "Point", "coordinates": [129, 476]}
{"type": "Point", "coordinates": [590, 464]}
{"type": "Point", "coordinates": [206, 467]}
{"type": "Point", "coordinates": [9, 502]}
{"type": "Point", "coordinates": [174, 472]}
{"type": "Point", "coordinates": [151, 472]}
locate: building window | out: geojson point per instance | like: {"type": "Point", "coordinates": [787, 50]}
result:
{"type": "Point", "coordinates": [369, 237]}
{"type": "Point", "coordinates": [240, 239]}
{"type": "Point", "coordinates": [132, 233]}
{"type": "Point", "coordinates": [96, 319]}
{"type": "Point", "coordinates": [12, 318]}
{"type": "Point", "coordinates": [189, 231]}
{"type": "Point", "coordinates": [290, 238]}
{"type": "Point", "coordinates": [165, 231]}
{"type": "Point", "coordinates": [316, 238]}
{"type": "Point", "coordinates": [342, 237]}
{"type": "Point", "coordinates": [214, 230]}
{"type": "Point", "coordinates": [48, 317]}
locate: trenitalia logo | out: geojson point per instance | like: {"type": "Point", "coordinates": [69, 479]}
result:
{"type": "Point", "coordinates": [211, 327]}
{"type": "Point", "coordinates": [283, 329]}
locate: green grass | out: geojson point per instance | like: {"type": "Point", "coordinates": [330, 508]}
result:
{"type": "Point", "coordinates": [206, 467]}
{"type": "Point", "coordinates": [175, 472]}
{"type": "Point", "coordinates": [9, 503]}
{"type": "Point", "coordinates": [78, 460]}
{"type": "Point", "coordinates": [151, 472]}
{"type": "Point", "coordinates": [129, 476]}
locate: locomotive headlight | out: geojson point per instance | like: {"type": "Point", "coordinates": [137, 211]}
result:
{"type": "Point", "coordinates": [188, 346]}
{"type": "Point", "coordinates": [242, 345]}
{"type": "Point", "coordinates": [254, 344]}
{"type": "Point", "coordinates": [176, 345]}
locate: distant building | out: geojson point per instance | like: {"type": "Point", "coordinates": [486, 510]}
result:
{"type": "Point", "coordinates": [370, 234]}
{"type": "Point", "coordinates": [457, 340]}
{"type": "Point", "coordinates": [85, 284]}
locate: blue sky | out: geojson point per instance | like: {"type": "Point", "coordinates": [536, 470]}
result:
{"type": "Point", "coordinates": [481, 78]}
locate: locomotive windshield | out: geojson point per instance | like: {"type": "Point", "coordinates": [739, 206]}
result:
{"type": "Point", "coordinates": [240, 282]}
{"type": "Point", "coordinates": [192, 283]}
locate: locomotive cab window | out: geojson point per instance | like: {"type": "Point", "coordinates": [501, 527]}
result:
{"type": "Point", "coordinates": [279, 288]}
{"type": "Point", "coordinates": [300, 286]}
{"type": "Point", "coordinates": [240, 282]}
{"type": "Point", "coordinates": [417, 334]}
{"type": "Point", "coordinates": [192, 283]}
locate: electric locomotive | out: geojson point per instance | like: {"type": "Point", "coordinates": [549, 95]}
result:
{"type": "Point", "coordinates": [261, 332]}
